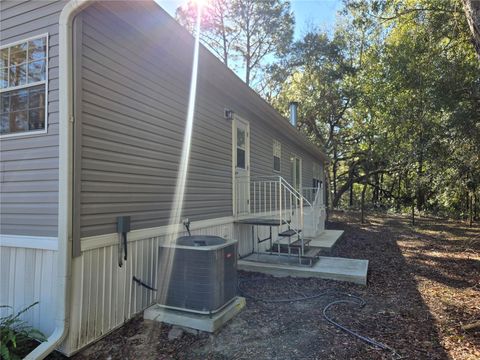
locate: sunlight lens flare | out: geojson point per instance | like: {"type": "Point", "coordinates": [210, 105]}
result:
{"type": "Point", "coordinates": [167, 258]}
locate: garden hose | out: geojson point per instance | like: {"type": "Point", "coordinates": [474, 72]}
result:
{"type": "Point", "coordinates": [351, 299]}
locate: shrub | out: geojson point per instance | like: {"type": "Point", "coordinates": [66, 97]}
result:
{"type": "Point", "coordinates": [15, 334]}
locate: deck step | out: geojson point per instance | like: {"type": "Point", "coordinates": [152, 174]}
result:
{"type": "Point", "coordinates": [312, 252]}
{"type": "Point", "coordinates": [298, 243]}
{"type": "Point", "coordinates": [290, 232]}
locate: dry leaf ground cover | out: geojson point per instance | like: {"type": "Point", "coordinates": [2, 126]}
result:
{"type": "Point", "coordinates": [423, 286]}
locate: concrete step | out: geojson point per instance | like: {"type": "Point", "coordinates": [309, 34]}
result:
{"type": "Point", "coordinates": [326, 239]}
{"type": "Point", "coordinates": [334, 268]}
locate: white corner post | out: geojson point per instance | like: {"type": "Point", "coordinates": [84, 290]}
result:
{"type": "Point", "coordinates": [64, 257]}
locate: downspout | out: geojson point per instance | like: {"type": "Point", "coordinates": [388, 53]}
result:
{"type": "Point", "coordinates": [64, 257]}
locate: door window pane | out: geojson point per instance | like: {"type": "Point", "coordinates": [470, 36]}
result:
{"type": "Point", "coordinates": [241, 138]}
{"type": "Point", "coordinates": [240, 158]}
{"type": "Point", "coordinates": [277, 154]}
{"type": "Point", "coordinates": [276, 163]}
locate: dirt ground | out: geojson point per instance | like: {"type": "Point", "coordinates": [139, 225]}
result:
{"type": "Point", "coordinates": [423, 285]}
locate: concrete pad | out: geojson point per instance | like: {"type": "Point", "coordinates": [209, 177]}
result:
{"type": "Point", "coordinates": [208, 323]}
{"type": "Point", "coordinates": [333, 268]}
{"type": "Point", "coordinates": [327, 239]}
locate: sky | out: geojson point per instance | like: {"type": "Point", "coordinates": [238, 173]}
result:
{"type": "Point", "coordinates": [319, 13]}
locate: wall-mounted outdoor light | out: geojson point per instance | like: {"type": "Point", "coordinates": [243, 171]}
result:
{"type": "Point", "coordinates": [228, 114]}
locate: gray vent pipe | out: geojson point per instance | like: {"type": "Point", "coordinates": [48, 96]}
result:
{"type": "Point", "coordinates": [293, 113]}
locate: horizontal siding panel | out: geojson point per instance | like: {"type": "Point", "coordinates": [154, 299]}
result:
{"type": "Point", "coordinates": [152, 178]}
{"type": "Point", "coordinates": [113, 199]}
{"type": "Point", "coordinates": [27, 198]}
{"type": "Point", "coordinates": [40, 220]}
{"type": "Point", "coordinates": [30, 11]}
{"type": "Point", "coordinates": [141, 80]}
{"type": "Point", "coordinates": [38, 230]}
{"type": "Point", "coordinates": [108, 228]}
{"type": "Point", "coordinates": [128, 120]}
{"type": "Point", "coordinates": [45, 152]}
{"type": "Point", "coordinates": [20, 31]}
{"type": "Point", "coordinates": [29, 142]}
{"type": "Point", "coordinates": [105, 139]}
{"type": "Point", "coordinates": [43, 208]}
{"type": "Point", "coordinates": [135, 207]}
{"type": "Point", "coordinates": [8, 5]}
{"type": "Point", "coordinates": [29, 163]}
{"type": "Point", "coordinates": [29, 186]}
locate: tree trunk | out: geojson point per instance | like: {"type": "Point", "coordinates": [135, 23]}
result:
{"type": "Point", "coordinates": [380, 184]}
{"type": "Point", "coordinates": [472, 13]}
{"type": "Point", "coordinates": [248, 55]}
{"type": "Point", "coordinates": [363, 202]}
{"type": "Point", "coordinates": [420, 192]}
{"type": "Point", "coordinates": [413, 213]}
{"type": "Point", "coordinates": [475, 206]}
{"type": "Point", "coordinates": [350, 203]}
{"type": "Point", "coordinates": [471, 209]}
{"type": "Point", "coordinates": [334, 174]}
{"type": "Point", "coordinates": [399, 192]}
{"type": "Point", "coordinates": [375, 191]}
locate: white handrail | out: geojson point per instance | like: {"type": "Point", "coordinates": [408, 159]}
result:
{"type": "Point", "coordinates": [274, 196]}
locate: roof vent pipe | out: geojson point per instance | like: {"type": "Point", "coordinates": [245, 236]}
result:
{"type": "Point", "coordinates": [293, 113]}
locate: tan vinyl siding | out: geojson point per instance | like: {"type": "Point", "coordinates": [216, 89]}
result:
{"type": "Point", "coordinates": [29, 163]}
{"type": "Point", "coordinates": [133, 116]}
{"type": "Point", "coordinates": [133, 110]}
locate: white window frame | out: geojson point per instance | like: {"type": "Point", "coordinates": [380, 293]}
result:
{"type": "Point", "coordinates": [277, 152]}
{"type": "Point", "coordinates": [19, 87]}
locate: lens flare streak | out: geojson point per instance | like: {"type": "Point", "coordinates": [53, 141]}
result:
{"type": "Point", "coordinates": [167, 257]}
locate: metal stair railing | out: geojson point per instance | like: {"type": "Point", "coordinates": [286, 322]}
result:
{"type": "Point", "coordinates": [274, 196]}
{"type": "Point", "coordinates": [315, 193]}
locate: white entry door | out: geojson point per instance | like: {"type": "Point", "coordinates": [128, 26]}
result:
{"type": "Point", "coordinates": [241, 166]}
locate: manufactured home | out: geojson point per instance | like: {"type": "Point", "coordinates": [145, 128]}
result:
{"type": "Point", "coordinates": [94, 99]}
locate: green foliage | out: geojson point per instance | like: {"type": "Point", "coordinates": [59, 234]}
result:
{"type": "Point", "coordinates": [394, 96]}
{"type": "Point", "coordinates": [15, 334]}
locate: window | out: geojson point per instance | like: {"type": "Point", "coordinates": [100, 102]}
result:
{"type": "Point", "coordinates": [277, 155]}
{"type": "Point", "coordinates": [241, 148]}
{"type": "Point", "coordinates": [23, 86]}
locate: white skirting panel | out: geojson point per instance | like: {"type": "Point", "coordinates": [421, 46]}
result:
{"type": "Point", "coordinates": [28, 275]}
{"type": "Point", "coordinates": [104, 295]}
